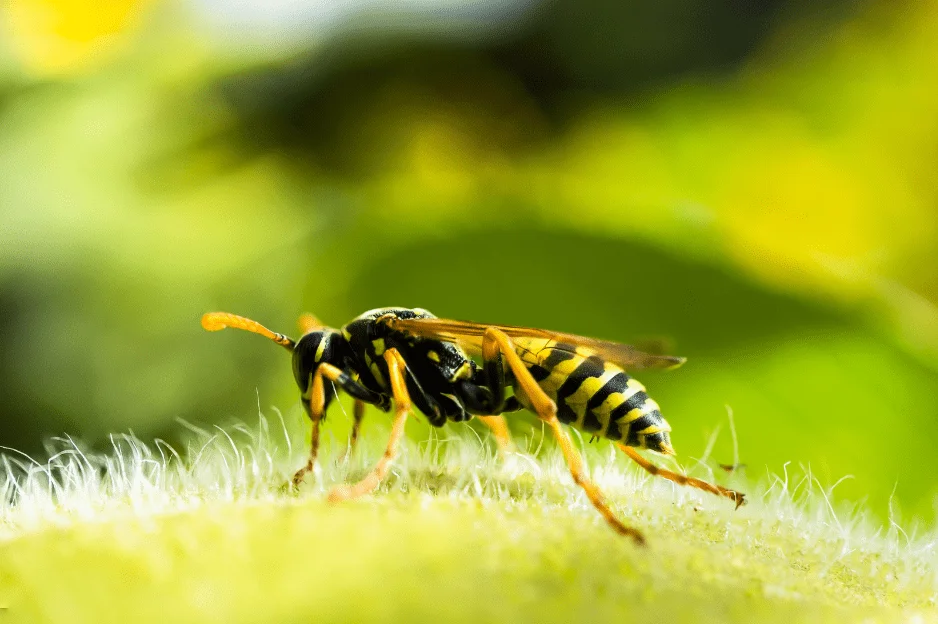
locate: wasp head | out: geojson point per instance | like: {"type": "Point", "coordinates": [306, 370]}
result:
{"type": "Point", "coordinates": [318, 345]}
{"type": "Point", "coordinates": [312, 350]}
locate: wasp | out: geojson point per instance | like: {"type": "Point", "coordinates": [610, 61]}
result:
{"type": "Point", "coordinates": [405, 357]}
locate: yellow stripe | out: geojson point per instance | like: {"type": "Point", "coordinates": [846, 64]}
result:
{"type": "Point", "coordinates": [463, 372]}
{"type": "Point", "coordinates": [630, 416]}
{"type": "Point", "coordinates": [616, 399]}
{"type": "Point", "coordinates": [649, 406]}
{"type": "Point", "coordinates": [321, 348]}
{"type": "Point", "coordinates": [602, 411]}
{"type": "Point", "coordinates": [633, 386]}
{"type": "Point", "coordinates": [559, 374]}
{"type": "Point", "coordinates": [645, 408]}
{"type": "Point", "coordinates": [378, 345]}
{"type": "Point", "coordinates": [376, 371]}
{"type": "Point", "coordinates": [590, 386]}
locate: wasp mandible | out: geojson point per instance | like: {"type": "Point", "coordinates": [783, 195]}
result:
{"type": "Point", "coordinates": [415, 358]}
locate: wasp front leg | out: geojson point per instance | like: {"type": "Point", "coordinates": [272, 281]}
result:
{"type": "Point", "coordinates": [402, 406]}
{"type": "Point", "coordinates": [316, 407]}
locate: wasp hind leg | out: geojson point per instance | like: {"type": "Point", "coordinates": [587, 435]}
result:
{"type": "Point", "coordinates": [396, 369]}
{"type": "Point", "coordinates": [496, 343]}
{"type": "Point", "coordinates": [737, 497]}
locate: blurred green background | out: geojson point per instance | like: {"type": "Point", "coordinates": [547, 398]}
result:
{"type": "Point", "coordinates": [753, 180]}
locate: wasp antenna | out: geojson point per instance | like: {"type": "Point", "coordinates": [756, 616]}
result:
{"type": "Point", "coordinates": [216, 321]}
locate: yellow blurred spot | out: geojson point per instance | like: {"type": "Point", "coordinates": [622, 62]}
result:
{"type": "Point", "coordinates": [66, 36]}
{"type": "Point", "coordinates": [795, 209]}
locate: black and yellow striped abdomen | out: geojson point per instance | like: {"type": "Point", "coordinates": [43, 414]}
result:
{"type": "Point", "coordinates": [593, 395]}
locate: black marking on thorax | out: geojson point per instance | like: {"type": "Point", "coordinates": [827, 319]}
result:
{"type": "Point", "coordinates": [432, 365]}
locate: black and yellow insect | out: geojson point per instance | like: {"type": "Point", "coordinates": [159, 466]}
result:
{"type": "Point", "coordinates": [412, 357]}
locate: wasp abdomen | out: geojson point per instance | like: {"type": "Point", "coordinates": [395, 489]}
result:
{"type": "Point", "coordinates": [595, 396]}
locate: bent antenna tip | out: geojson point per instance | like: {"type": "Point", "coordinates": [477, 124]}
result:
{"type": "Point", "coordinates": [213, 321]}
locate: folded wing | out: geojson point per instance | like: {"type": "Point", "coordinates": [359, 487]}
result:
{"type": "Point", "coordinates": [468, 335]}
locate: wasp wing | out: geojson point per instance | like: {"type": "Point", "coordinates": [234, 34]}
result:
{"type": "Point", "coordinates": [469, 336]}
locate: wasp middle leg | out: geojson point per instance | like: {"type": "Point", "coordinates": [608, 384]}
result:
{"type": "Point", "coordinates": [358, 413]}
{"type": "Point", "coordinates": [497, 343]}
{"type": "Point", "coordinates": [396, 370]}
{"type": "Point", "coordinates": [737, 497]}
{"type": "Point", "coordinates": [499, 428]}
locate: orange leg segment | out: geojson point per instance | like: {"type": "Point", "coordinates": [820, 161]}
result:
{"type": "Point", "coordinates": [317, 403]}
{"type": "Point", "coordinates": [499, 428]}
{"type": "Point", "coordinates": [358, 414]}
{"type": "Point", "coordinates": [495, 340]}
{"type": "Point", "coordinates": [396, 369]}
{"type": "Point", "coordinates": [737, 497]}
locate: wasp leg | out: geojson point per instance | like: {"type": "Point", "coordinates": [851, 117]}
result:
{"type": "Point", "coordinates": [499, 428]}
{"type": "Point", "coordinates": [309, 323]}
{"type": "Point", "coordinates": [737, 497]}
{"type": "Point", "coordinates": [496, 341]}
{"type": "Point", "coordinates": [396, 368]}
{"type": "Point", "coordinates": [358, 414]}
{"type": "Point", "coordinates": [363, 396]}
{"type": "Point", "coordinates": [316, 407]}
